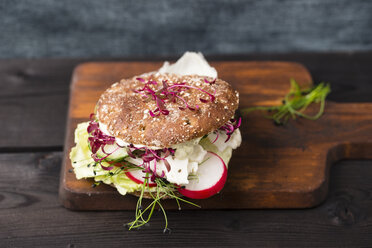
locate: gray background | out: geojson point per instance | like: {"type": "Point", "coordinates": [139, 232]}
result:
{"type": "Point", "coordinates": [139, 28]}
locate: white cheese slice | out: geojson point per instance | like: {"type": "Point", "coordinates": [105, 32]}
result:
{"type": "Point", "coordinates": [179, 168]}
{"type": "Point", "coordinates": [192, 167]}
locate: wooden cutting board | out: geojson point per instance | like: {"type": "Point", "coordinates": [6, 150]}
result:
{"type": "Point", "coordinates": [275, 167]}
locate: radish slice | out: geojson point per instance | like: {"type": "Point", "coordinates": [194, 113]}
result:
{"type": "Point", "coordinates": [211, 177]}
{"type": "Point", "coordinates": [137, 176]}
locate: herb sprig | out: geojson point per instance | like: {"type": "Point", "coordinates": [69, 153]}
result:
{"type": "Point", "coordinates": [296, 102]}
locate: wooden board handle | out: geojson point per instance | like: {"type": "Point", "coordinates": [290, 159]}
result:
{"type": "Point", "coordinates": [347, 130]}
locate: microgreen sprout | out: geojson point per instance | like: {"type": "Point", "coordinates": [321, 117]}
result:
{"type": "Point", "coordinates": [163, 189]}
{"type": "Point", "coordinates": [170, 93]}
{"type": "Point", "coordinates": [229, 128]}
{"type": "Point", "coordinates": [149, 155]}
{"type": "Point", "coordinates": [296, 102]}
{"type": "Point", "coordinates": [97, 138]}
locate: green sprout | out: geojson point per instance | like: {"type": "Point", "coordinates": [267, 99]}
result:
{"type": "Point", "coordinates": [163, 189]}
{"type": "Point", "coordinates": [295, 103]}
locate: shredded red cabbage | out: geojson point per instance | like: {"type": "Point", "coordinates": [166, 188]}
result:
{"type": "Point", "coordinates": [169, 93]}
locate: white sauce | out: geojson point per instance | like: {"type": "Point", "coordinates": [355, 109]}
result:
{"type": "Point", "coordinates": [190, 63]}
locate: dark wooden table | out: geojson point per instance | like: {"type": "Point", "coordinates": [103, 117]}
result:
{"type": "Point", "coordinates": [33, 105]}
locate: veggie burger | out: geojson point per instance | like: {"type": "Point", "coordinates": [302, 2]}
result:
{"type": "Point", "coordinates": [164, 134]}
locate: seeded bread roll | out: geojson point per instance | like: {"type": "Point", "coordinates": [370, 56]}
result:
{"type": "Point", "coordinates": [126, 112]}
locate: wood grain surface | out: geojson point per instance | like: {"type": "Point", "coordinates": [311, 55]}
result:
{"type": "Point", "coordinates": [275, 167]}
{"type": "Point", "coordinates": [30, 160]}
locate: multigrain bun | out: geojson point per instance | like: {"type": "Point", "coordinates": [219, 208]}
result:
{"type": "Point", "coordinates": [126, 113]}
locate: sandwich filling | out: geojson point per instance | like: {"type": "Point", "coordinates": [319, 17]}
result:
{"type": "Point", "coordinates": [182, 160]}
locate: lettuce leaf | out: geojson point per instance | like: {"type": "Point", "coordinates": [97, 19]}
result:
{"type": "Point", "coordinates": [225, 154]}
{"type": "Point", "coordinates": [85, 167]}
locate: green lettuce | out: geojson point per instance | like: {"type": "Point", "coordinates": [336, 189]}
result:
{"type": "Point", "coordinates": [225, 154]}
{"type": "Point", "coordinates": [85, 167]}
